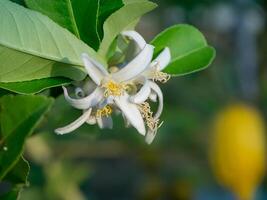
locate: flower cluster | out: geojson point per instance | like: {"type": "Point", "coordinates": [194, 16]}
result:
{"type": "Point", "coordinates": [126, 89]}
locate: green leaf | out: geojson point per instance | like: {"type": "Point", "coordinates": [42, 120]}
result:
{"type": "Point", "coordinates": [21, 2]}
{"type": "Point", "coordinates": [123, 19]}
{"type": "Point", "coordinates": [16, 179]}
{"type": "Point", "coordinates": [33, 47]}
{"type": "Point", "coordinates": [3, 92]}
{"type": "Point", "coordinates": [19, 115]}
{"type": "Point", "coordinates": [19, 173]}
{"type": "Point", "coordinates": [11, 195]}
{"type": "Point", "coordinates": [195, 61]}
{"type": "Point", "coordinates": [34, 86]}
{"type": "Point", "coordinates": [189, 49]}
{"type": "Point", "coordinates": [83, 18]}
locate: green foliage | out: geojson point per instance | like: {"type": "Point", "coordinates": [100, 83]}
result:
{"type": "Point", "coordinates": [123, 19]}
{"type": "Point", "coordinates": [34, 86]}
{"type": "Point", "coordinates": [85, 19]}
{"type": "Point", "coordinates": [21, 2]}
{"type": "Point", "coordinates": [19, 115]}
{"type": "Point", "coordinates": [32, 46]}
{"type": "Point", "coordinates": [189, 49]}
{"type": "Point", "coordinates": [19, 173]}
{"type": "Point", "coordinates": [11, 195]}
{"type": "Point", "coordinates": [17, 177]}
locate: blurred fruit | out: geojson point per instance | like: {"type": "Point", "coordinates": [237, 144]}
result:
{"type": "Point", "coordinates": [238, 149]}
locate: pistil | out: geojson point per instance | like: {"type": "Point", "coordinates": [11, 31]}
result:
{"type": "Point", "coordinates": [114, 89]}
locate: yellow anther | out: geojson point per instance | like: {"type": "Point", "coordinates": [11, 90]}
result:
{"type": "Point", "coordinates": [105, 111]}
{"type": "Point", "coordinates": [147, 114]}
{"type": "Point", "coordinates": [114, 89]}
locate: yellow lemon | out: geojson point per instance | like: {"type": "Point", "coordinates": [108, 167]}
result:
{"type": "Point", "coordinates": [238, 149]}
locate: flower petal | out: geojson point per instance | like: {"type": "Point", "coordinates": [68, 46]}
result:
{"type": "Point", "coordinates": [126, 121]}
{"type": "Point", "coordinates": [142, 95]}
{"type": "Point", "coordinates": [136, 66]}
{"type": "Point", "coordinates": [157, 90]}
{"type": "Point", "coordinates": [163, 59]}
{"type": "Point", "coordinates": [150, 136]}
{"type": "Point", "coordinates": [153, 96]}
{"type": "Point", "coordinates": [74, 125]}
{"type": "Point", "coordinates": [133, 35]}
{"type": "Point", "coordinates": [131, 112]}
{"type": "Point", "coordinates": [91, 120]}
{"type": "Point", "coordinates": [105, 122]}
{"type": "Point", "coordinates": [94, 69]}
{"type": "Point", "coordinates": [87, 102]}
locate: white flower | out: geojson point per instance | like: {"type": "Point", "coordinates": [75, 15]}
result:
{"type": "Point", "coordinates": [127, 89]}
{"type": "Point", "coordinates": [111, 90]}
{"type": "Point", "coordinates": [150, 89]}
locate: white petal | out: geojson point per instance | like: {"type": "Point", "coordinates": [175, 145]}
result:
{"type": "Point", "coordinates": [91, 120]}
{"type": "Point", "coordinates": [157, 90]}
{"type": "Point", "coordinates": [153, 96]}
{"type": "Point", "coordinates": [142, 95]}
{"type": "Point", "coordinates": [74, 125]}
{"type": "Point", "coordinates": [150, 136]}
{"type": "Point", "coordinates": [131, 112]}
{"type": "Point", "coordinates": [136, 66]}
{"type": "Point", "coordinates": [133, 35]}
{"type": "Point", "coordinates": [87, 102]}
{"type": "Point", "coordinates": [163, 59]}
{"type": "Point", "coordinates": [105, 101]}
{"type": "Point", "coordinates": [94, 69]}
{"type": "Point", "coordinates": [104, 122]}
{"type": "Point", "coordinates": [126, 121]}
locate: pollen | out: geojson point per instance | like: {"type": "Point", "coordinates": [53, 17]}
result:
{"type": "Point", "coordinates": [147, 114]}
{"type": "Point", "coordinates": [114, 89]}
{"type": "Point", "coordinates": [105, 111]}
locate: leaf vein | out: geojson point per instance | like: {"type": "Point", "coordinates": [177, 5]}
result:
{"type": "Point", "coordinates": [16, 25]}
{"type": "Point", "coordinates": [72, 18]}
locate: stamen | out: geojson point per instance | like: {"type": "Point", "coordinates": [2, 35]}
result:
{"type": "Point", "coordinates": [114, 89]}
{"type": "Point", "coordinates": [105, 111]}
{"type": "Point", "coordinates": [160, 76]}
{"type": "Point", "coordinates": [147, 114]}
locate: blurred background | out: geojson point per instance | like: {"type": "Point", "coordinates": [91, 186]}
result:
{"type": "Point", "coordinates": [117, 164]}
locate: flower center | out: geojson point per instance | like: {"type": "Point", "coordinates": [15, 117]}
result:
{"type": "Point", "coordinates": [113, 89]}
{"type": "Point", "coordinates": [147, 114]}
{"type": "Point", "coordinates": [105, 111]}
